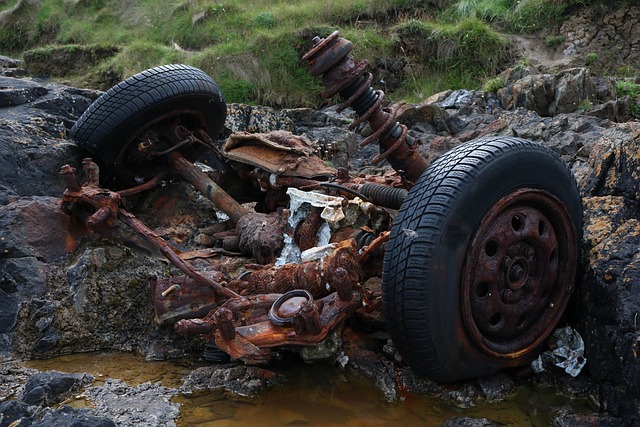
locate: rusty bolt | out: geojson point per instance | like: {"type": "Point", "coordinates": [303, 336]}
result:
{"type": "Point", "coordinates": [174, 287]}
{"type": "Point", "coordinates": [224, 319]}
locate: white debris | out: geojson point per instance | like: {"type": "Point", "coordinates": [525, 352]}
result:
{"type": "Point", "coordinates": [568, 355]}
{"type": "Point", "coordinates": [318, 252]}
{"type": "Point", "coordinates": [332, 205]}
{"type": "Point", "coordinates": [300, 205]}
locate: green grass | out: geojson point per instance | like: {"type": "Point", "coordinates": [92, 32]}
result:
{"type": "Point", "coordinates": [253, 48]}
{"type": "Point", "coordinates": [552, 41]}
{"type": "Point", "coordinates": [517, 16]}
{"type": "Point", "coordinates": [493, 85]}
{"type": "Point", "coordinates": [627, 88]}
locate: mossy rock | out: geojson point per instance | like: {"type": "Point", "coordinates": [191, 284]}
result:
{"type": "Point", "coordinates": [60, 61]}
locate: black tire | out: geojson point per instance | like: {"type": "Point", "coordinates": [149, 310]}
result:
{"type": "Point", "coordinates": [470, 285]}
{"type": "Point", "coordinates": [108, 127]}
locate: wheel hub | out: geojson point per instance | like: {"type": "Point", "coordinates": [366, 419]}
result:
{"type": "Point", "coordinates": [518, 273]}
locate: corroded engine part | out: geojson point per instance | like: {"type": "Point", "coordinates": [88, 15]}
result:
{"type": "Point", "coordinates": [261, 235]}
{"type": "Point", "coordinates": [107, 210]}
{"type": "Point", "coordinates": [182, 297]}
{"type": "Point", "coordinates": [343, 76]}
{"type": "Point", "coordinates": [241, 327]}
{"type": "Point", "coordinates": [278, 152]}
{"type": "Point", "coordinates": [339, 271]}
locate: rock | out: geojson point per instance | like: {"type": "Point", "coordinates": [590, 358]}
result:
{"type": "Point", "coordinates": [24, 92]}
{"type": "Point", "coordinates": [615, 110]}
{"type": "Point", "coordinates": [35, 235]}
{"type": "Point", "coordinates": [512, 75]}
{"type": "Point", "coordinates": [496, 387]}
{"type": "Point", "coordinates": [35, 227]}
{"type": "Point", "coordinates": [65, 60]}
{"type": "Point", "coordinates": [48, 388]}
{"type": "Point", "coordinates": [6, 62]}
{"type": "Point", "coordinates": [12, 411]}
{"type": "Point", "coordinates": [13, 72]}
{"type": "Point", "coordinates": [572, 88]}
{"type": "Point", "coordinates": [370, 363]}
{"type": "Point", "coordinates": [241, 381]}
{"type": "Point", "coordinates": [425, 117]}
{"type": "Point", "coordinates": [464, 396]}
{"type": "Point", "coordinates": [66, 416]}
{"type": "Point", "coordinates": [145, 405]}
{"type": "Point", "coordinates": [596, 30]}
{"type": "Point", "coordinates": [13, 379]}
{"type": "Point", "coordinates": [457, 99]}
{"type": "Point", "coordinates": [566, 419]}
{"type": "Point", "coordinates": [609, 298]}
{"type": "Point", "coordinates": [246, 118]}
{"type": "Point", "coordinates": [611, 281]}
{"type": "Point", "coordinates": [605, 88]}
{"type": "Point", "coordinates": [468, 422]}
{"type": "Point", "coordinates": [33, 141]}
{"type": "Point", "coordinates": [532, 92]}
{"type": "Point", "coordinates": [565, 92]}
{"type": "Point", "coordinates": [335, 146]}
{"type": "Point", "coordinates": [616, 163]}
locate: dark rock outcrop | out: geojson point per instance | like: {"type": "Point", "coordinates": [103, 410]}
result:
{"type": "Point", "coordinates": [12, 411]}
{"type": "Point", "coordinates": [48, 388]}
{"type": "Point", "coordinates": [66, 416]}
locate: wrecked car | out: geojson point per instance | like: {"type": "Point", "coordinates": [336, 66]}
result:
{"type": "Point", "coordinates": [477, 252]}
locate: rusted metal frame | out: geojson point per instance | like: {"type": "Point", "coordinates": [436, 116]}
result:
{"type": "Point", "coordinates": [245, 309]}
{"type": "Point", "coordinates": [242, 329]}
{"type": "Point", "coordinates": [339, 271]}
{"type": "Point", "coordinates": [104, 202]}
{"type": "Point", "coordinates": [170, 254]}
{"type": "Point", "coordinates": [266, 334]}
{"type": "Point", "coordinates": [189, 140]}
{"type": "Point", "coordinates": [142, 187]}
{"type": "Point", "coordinates": [107, 211]}
{"type": "Point", "coordinates": [179, 136]}
{"type": "Point", "coordinates": [182, 297]}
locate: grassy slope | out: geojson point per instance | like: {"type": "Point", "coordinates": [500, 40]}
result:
{"type": "Point", "coordinates": [252, 48]}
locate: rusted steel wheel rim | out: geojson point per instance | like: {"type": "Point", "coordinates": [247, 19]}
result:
{"type": "Point", "coordinates": [519, 273]}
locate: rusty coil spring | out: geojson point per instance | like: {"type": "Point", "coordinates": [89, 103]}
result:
{"type": "Point", "coordinates": [343, 76]}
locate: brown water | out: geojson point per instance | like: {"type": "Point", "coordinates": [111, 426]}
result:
{"type": "Point", "coordinates": [314, 395]}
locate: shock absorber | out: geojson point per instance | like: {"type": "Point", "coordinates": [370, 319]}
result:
{"type": "Point", "coordinates": [351, 80]}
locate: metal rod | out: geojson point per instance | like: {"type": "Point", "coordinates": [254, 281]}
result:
{"type": "Point", "coordinates": [212, 191]}
{"type": "Point", "coordinates": [168, 252]}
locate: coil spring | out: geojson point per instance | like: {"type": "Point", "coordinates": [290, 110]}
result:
{"type": "Point", "coordinates": [353, 84]}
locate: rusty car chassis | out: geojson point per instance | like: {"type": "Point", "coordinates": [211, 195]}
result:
{"type": "Point", "coordinates": [463, 294]}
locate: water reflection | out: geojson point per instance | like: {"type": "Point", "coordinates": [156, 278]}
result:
{"type": "Point", "coordinates": [313, 395]}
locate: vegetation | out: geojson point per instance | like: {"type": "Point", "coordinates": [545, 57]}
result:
{"type": "Point", "coordinates": [591, 58]}
{"type": "Point", "coordinates": [252, 48]}
{"type": "Point", "coordinates": [552, 41]}
{"type": "Point", "coordinates": [518, 16]}
{"type": "Point", "coordinates": [493, 85]}
{"type": "Point", "coordinates": [632, 90]}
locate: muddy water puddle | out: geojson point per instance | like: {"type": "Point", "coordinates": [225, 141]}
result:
{"type": "Point", "coordinates": [313, 395]}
